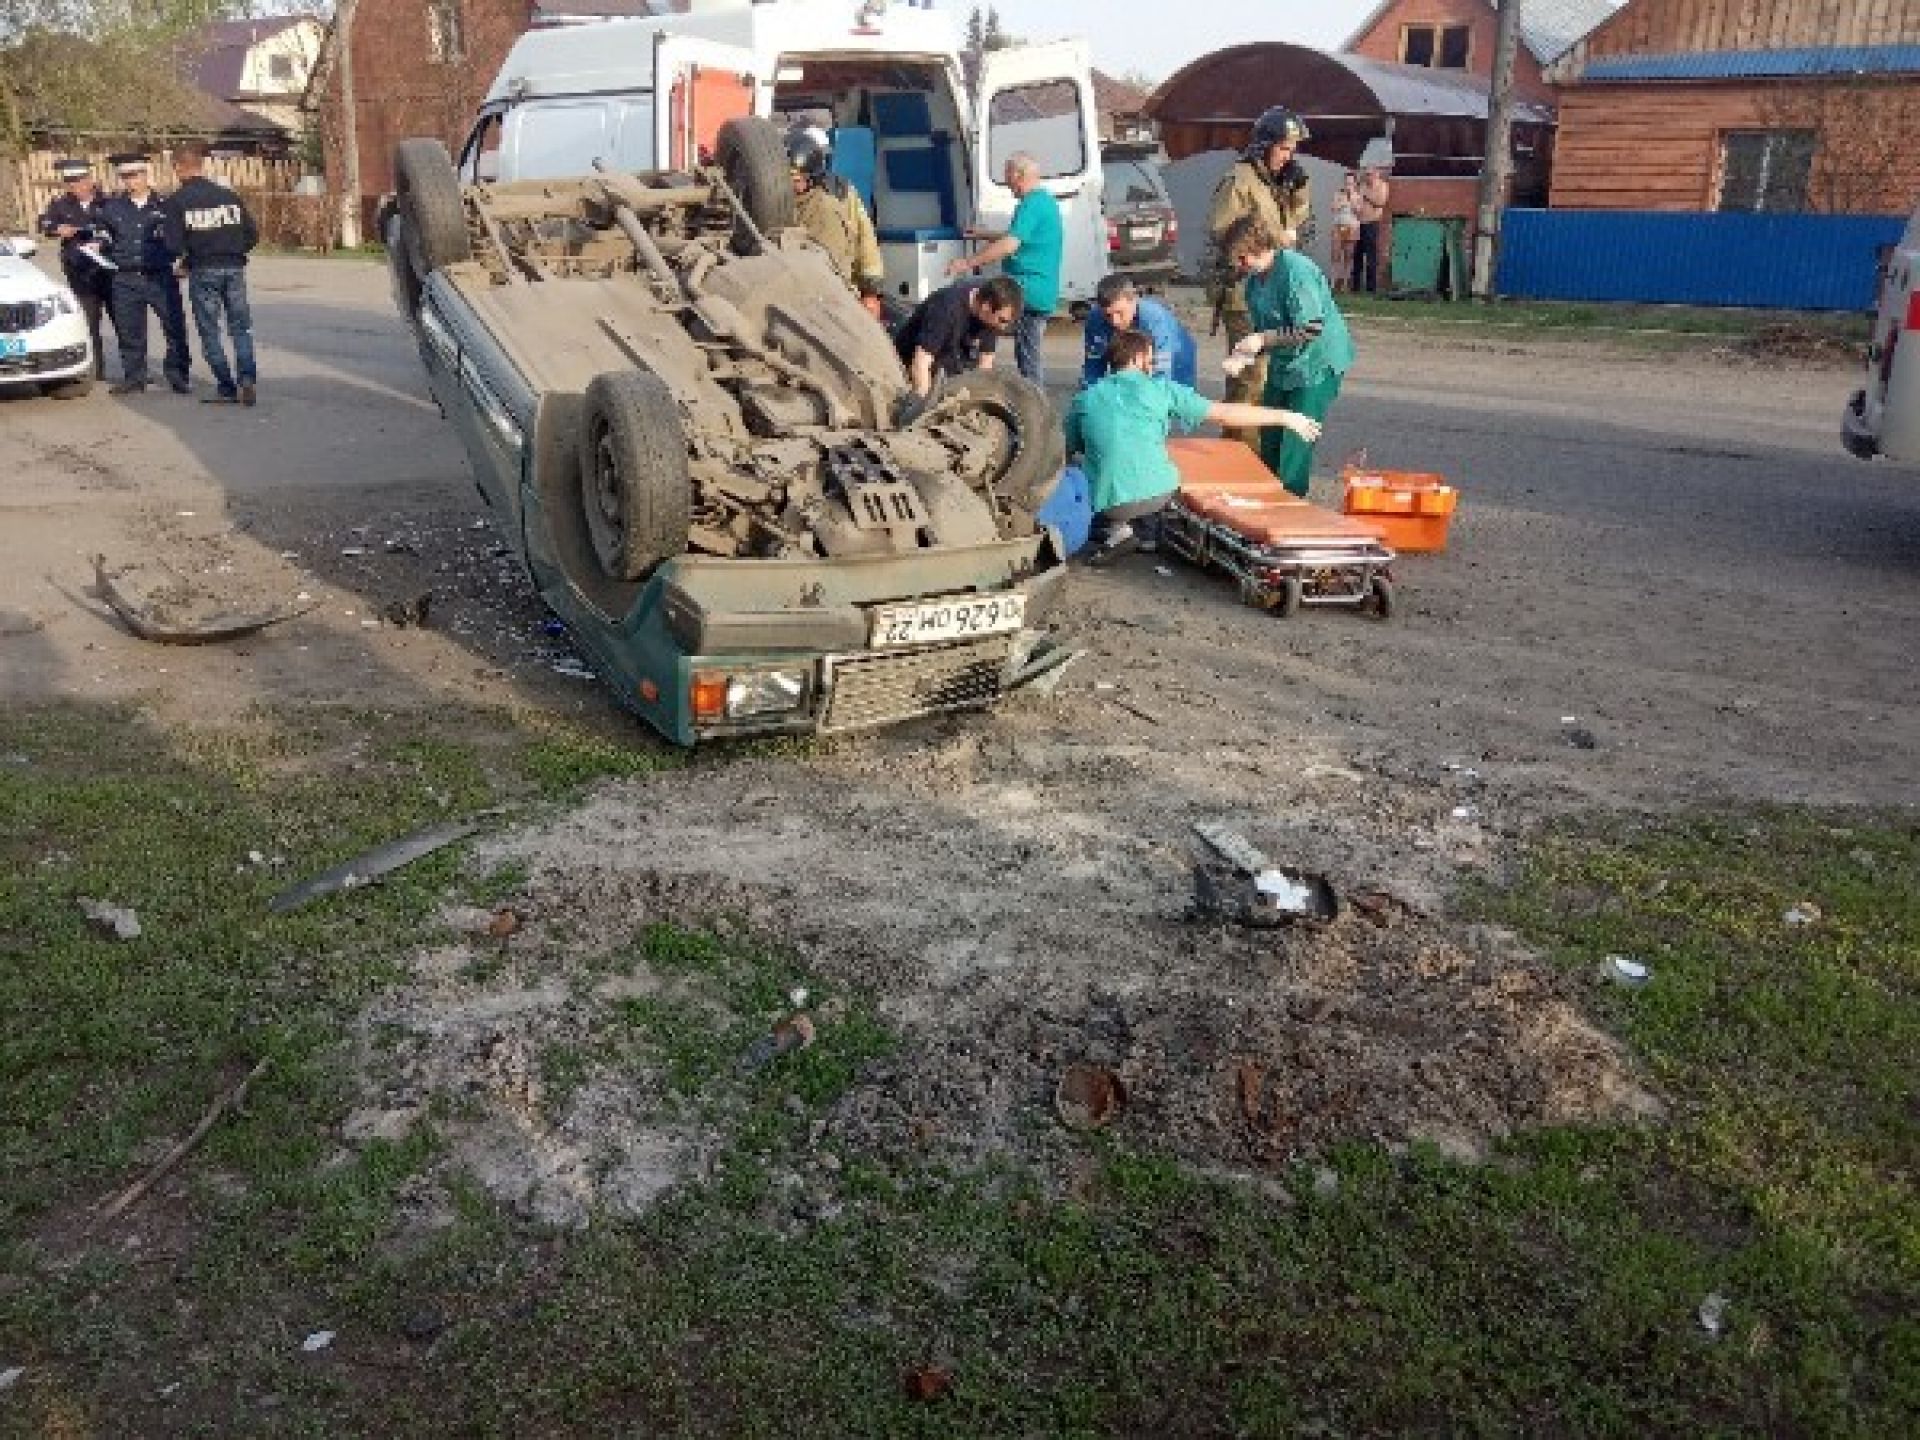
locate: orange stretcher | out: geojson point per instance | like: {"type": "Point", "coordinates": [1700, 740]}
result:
{"type": "Point", "coordinates": [1231, 514]}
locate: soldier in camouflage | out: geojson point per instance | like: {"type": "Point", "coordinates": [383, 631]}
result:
{"type": "Point", "coordinates": [1268, 184]}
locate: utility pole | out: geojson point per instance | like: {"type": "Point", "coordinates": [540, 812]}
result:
{"type": "Point", "coordinates": [349, 127]}
{"type": "Point", "coordinates": [1496, 165]}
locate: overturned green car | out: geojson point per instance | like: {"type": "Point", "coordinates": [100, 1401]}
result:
{"type": "Point", "coordinates": [686, 424]}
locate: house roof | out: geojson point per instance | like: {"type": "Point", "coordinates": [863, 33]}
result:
{"type": "Point", "coordinates": [1114, 96]}
{"type": "Point", "coordinates": [1418, 90]}
{"type": "Point", "coordinates": [1547, 27]}
{"type": "Point", "coordinates": [559, 12]}
{"type": "Point", "coordinates": [1759, 64]}
{"type": "Point", "coordinates": [214, 57]}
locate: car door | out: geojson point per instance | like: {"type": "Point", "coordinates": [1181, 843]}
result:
{"type": "Point", "coordinates": [1039, 98]}
{"type": "Point", "coordinates": [699, 85]}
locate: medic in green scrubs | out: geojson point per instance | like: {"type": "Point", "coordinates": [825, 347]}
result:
{"type": "Point", "coordinates": [1119, 427]}
{"type": "Point", "coordinates": [1297, 326]}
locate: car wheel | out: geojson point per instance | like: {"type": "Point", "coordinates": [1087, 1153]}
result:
{"type": "Point", "coordinates": [635, 490]}
{"type": "Point", "coordinates": [433, 216]}
{"type": "Point", "coordinates": [76, 389]}
{"type": "Point", "coordinates": [752, 154]}
{"type": "Point", "coordinates": [1034, 447]}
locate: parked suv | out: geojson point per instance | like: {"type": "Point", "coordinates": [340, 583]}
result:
{"type": "Point", "coordinates": [1142, 229]}
{"type": "Point", "coordinates": [1883, 417]}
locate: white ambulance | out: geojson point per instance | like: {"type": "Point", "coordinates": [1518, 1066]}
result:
{"type": "Point", "coordinates": [886, 81]}
{"type": "Point", "coordinates": [1883, 417]}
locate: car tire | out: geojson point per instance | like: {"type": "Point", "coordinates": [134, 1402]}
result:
{"type": "Point", "coordinates": [635, 490]}
{"type": "Point", "coordinates": [752, 154]}
{"type": "Point", "coordinates": [76, 389]}
{"type": "Point", "coordinates": [433, 216]}
{"type": "Point", "coordinates": [1038, 443]}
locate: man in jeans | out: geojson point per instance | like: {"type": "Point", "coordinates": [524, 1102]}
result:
{"type": "Point", "coordinates": [210, 228]}
{"type": "Point", "coordinates": [1029, 253]}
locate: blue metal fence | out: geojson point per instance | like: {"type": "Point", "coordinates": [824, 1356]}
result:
{"type": "Point", "coordinates": [1783, 262]}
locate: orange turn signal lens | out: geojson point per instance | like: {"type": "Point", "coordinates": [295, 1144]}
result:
{"type": "Point", "coordinates": [649, 691]}
{"type": "Point", "coordinates": [709, 695]}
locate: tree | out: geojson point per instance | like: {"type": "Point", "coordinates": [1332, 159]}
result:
{"type": "Point", "coordinates": [1862, 128]}
{"type": "Point", "coordinates": [976, 31]}
{"type": "Point", "coordinates": [994, 36]}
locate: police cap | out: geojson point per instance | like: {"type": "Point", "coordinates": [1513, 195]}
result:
{"type": "Point", "coordinates": [72, 169]}
{"type": "Point", "coordinates": [127, 159]}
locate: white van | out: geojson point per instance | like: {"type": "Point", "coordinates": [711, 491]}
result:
{"type": "Point", "coordinates": [886, 81]}
{"type": "Point", "coordinates": [1883, 418]}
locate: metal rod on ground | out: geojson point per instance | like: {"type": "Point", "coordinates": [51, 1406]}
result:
{"type": "Point", "coordinates": [223, 1103]}
{"type": "Point", "coordinates": [1496, 172]}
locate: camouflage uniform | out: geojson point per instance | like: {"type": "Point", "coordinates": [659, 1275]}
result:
{"type": "Point", "coordinates": [834, 218]}
{"type": "Point", "coordinates": [1250, 188]}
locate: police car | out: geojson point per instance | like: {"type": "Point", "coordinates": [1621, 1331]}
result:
{"type": "Point", "coordinates": [43, 334]}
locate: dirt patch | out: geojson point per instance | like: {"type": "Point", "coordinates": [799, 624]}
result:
{"type": "Point", "coordinates": [1010, 925]}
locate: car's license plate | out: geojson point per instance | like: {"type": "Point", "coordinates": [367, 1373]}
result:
{"type": "Point", "coordinates": [12, 346]}
{"type": "Point", "coordinates": [932, 621]}
{"type": "Point", "coordinates": [1144, 234]}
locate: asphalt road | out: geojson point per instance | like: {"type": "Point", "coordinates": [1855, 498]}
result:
{"type": "Point", "coordinates": [1669, 545]}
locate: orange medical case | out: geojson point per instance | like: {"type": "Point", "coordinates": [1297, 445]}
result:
{"type": "Point", "coordinates": [1411, 510]}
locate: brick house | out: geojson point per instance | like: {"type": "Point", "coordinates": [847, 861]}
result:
{"type": "Point", "coordinates": [1459, 35]}
{"type": "Point", "coordinates": [1773, 105]}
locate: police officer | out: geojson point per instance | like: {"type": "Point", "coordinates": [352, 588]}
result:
{"type": "Point", "coordinates": [70, 218]}
{"type": "Point", "coordinates": [832, 213]}
{"type": "Point", "coordinates": [1268, 183]}
{"type": "Point", "coordinates": [133, 224]}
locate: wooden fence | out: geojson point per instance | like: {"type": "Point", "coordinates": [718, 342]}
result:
{"type": "Point", "coordinates": [288, 219]}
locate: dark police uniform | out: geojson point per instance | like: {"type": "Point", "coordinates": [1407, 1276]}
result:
{"type": "Point", "coordinates": [92, 284]}
{"type": "Point", "coordinates": [136, 242]}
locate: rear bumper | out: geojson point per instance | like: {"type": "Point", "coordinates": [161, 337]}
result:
{"type": "Point", "coordinates": [810, 622]}
{"type": "Point", "coordinates": [1861, 443]}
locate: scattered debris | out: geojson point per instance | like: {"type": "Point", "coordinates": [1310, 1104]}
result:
{"type": "Point", "coordinates": [10, 1377]}
{"type": "Point", "coordinates": [798, 997]}
{"type": "Point", "coordinates": [318, 1340]}
{"type": "Point", "coordinates": [1326, 1182]}
{"type": "Point", "coordinates": [1624, 970]}
{"type": "Point", "coordinates": [1581, 738]}
{"type": "Point", "coordinates": [1260, 1107]}
{"type": "Point", "coordinates": [115, 920]}
{"type": "Point", "coordinates": [572, 669]}
{"type": "Point", "coordinates": [404, 613]}
{"type": "Point", "coordinates": [382, 860]}
{"type": "Point", "coordinates": [1044, 668]}
{"type": "Point", "coordinates": [224, 1102]}
{"type": "Point", "coordinates": [423, 1325]}
{"type": "Point", "coordinates": [928, 1382]}
{"type": "Point", "coordinates": [796, 1032]}
{"type": "Point", "coordinates": [1805, 913]}
{"type": "Point", "coordinates": [153, 623]}
{"type": "Point", "coordinates": [1255, 892]}
{"type": "Point", "coordinates": [354, 551]}
{"type": "Point", "coordinates": [504, 923]}
{"type": "Point", "coordinates": [1379, 906]}
{"type": "Point", "coordinates": [1088, 1097]}
{"type": "Point", "coordinates": [16, 624]}
{"type": "Point", "coordinates": [1713, 1314]}
{"type": "Point", "coordinates": [1138, 711]}
{"type": "Point", "coordinates": [1466, 812]}
{"type": "Point", "coordinates": [1333, 772]}
{"type": "Point", "coordinates": [1163, 570]}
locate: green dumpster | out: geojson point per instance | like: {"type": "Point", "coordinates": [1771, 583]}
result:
{"type": "Point", "coordinates": [1429, 256]}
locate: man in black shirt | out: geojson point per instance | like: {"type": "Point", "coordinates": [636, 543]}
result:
{"type": "Point", "coordinates": [954, 331]}
{"type": "Point", "coordinates": [210, 228]}
{"type": "Point", "coordinates": [131, 225]}
{"type": "Point", "coordinates": [70, 218]}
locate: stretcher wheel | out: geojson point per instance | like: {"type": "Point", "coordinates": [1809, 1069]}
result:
{"type": "Point", "coordinates": [1380, 598]}
{"type": "Point", "coordinates": [1290, 590]}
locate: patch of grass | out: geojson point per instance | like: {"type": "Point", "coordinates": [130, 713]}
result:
{"type": "Point", "coordinates": [1554, 1289]}
{"type": "Point", "coordinates": [1572, 319]}
{"type": "Point", "coordinates": [563, 762]}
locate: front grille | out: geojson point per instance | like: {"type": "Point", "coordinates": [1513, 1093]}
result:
{"type": "Point", "coordinates": [15, 319]}
{"type": "Point", "coordinates": [878, 689]}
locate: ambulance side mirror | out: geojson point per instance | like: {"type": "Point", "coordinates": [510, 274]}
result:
{"type": "Point", "coordinates": [25, 246]}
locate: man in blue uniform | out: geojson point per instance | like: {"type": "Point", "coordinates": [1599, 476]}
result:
{"type": "Point", "coordinates": [1119, 428]}
{"type": "Point", "coordinates": [132, 224]}
{"type": "Point", "coordinates": [1117, 306]}
{"type": "Point", "coordinates": [70, 219]}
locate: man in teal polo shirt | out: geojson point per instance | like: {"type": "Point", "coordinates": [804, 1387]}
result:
{"type": "Point", "coordinates": [1297, 323]}
{"type": "Point", "coordinates": [1119, 425]}
{"type": "Point", "coordinates": [1029, 252]}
